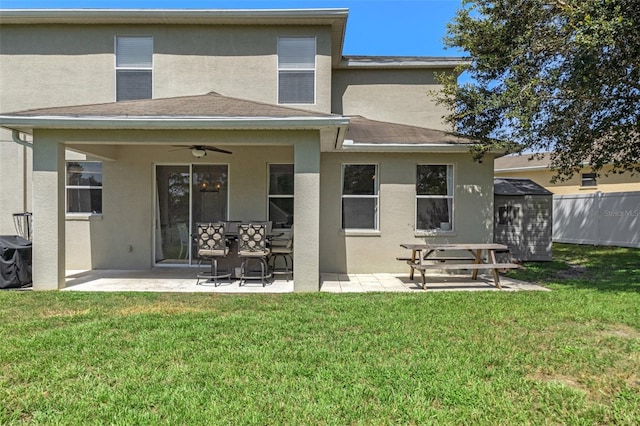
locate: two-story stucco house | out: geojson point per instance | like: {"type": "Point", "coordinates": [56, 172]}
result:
{"type": "Point", "coordinates": [106, 115]}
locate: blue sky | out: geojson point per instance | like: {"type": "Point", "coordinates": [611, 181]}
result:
{"type": "Point", "coordinates": [374, 27]}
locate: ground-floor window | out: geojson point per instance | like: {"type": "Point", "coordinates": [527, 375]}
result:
{"type": "Point", "coordinates": [84, 187]}
{"type": "Point", "coordinates": [360, 196]}
{"type": "Point", "coordinates": [281, 183]}
{"type": "Point", "coordinates": [434, 197]}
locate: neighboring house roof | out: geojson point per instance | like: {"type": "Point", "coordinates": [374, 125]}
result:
{"type": "Point", "coordinates": [522, 162]}
{"type": "Point", "coordinates": [513, 186]}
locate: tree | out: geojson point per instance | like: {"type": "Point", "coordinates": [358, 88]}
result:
{"type": "Point", "coordinates": [550, 75]}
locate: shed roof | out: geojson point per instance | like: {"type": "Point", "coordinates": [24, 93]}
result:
{"type": "Point", "coordinates": [513, 186]}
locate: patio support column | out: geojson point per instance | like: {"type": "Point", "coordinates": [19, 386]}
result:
{"type": "Point", "coordinates": [48, 256]}
{"type": "Point", "coordinates": [306, 227]}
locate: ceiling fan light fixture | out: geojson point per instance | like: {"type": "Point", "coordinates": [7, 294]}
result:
{"type": "Point", "coordinates": [199, 152]}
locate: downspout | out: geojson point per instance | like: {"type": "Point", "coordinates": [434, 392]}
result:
{"type": "Point", "coordinates": [15, 135]}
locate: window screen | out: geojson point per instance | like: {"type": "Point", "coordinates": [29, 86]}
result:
{"type": "Point", "coordinates": [84, 187]}
{"type": "Point", "coordinates": [434, 193]}
{"type": "Point", "coordinates": [281, 184]}
{"type": "Point", "coordinates": [296, 70]}
{"type": "Point", "coordinates": [134, 67]}
{"type": "Point", "coordinates": [360, 196]}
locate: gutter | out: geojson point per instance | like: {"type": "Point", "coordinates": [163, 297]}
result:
{"type": "Point", "coordinates": [349, 145]}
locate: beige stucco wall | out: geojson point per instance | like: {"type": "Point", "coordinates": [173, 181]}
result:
{"type": "Point", "coordinates": [611, 183]}
{"type": "Point", "coordinates": [396, 95]}
{"type": "Point", "coordinates": [377, 251]}
{"type": "Point", "coordinates": [57, 65]}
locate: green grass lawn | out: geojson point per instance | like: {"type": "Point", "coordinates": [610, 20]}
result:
{"type": "Point", "coordinates": [570, 356]}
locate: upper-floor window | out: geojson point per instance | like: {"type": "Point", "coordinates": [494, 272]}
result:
{"type": "Point", "coordinates": [281, 181]}
{"type": "Point", "coordinates": [588, 179]}
{"type": "Point", "coordinates": [296, 70]}
{"type": "Point", "coordinates": [134, 67]}
{"type": "Point", "coordinates": [84, 187]}
{"type": "Point", "coordinates": [434, 192]}
{"type": "Point", "coordinates": [360, 196]}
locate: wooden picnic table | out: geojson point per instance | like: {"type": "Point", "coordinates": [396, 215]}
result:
{"type": "Point", "coordinates": [421, 256]}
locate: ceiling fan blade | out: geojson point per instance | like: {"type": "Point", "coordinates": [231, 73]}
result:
{"type": "Point", "coordinates": [200, 148]}
{"type": "Point", "coordinates": [181, 147]}
{"type": "Point", "coordinates": [216, 149]}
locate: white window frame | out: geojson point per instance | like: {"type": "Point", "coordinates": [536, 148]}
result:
{"type": "Point", "coordinates": [446, 197]}
{"type": "Point", "coordinates": [126, 68]}
{"type": "Point", "coordinates": [285, 70]}
{"type": "Point", "coordinates": [375, 196]}
{"type": "Point", "coordinates": [67, 187]}
{"type": "Point", "coordinates": [277, 196]}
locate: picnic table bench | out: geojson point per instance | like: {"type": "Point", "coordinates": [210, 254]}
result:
{"type": "Point", "coordinates": [421, 255]}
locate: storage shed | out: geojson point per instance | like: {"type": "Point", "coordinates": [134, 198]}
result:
{"type": "Point", "coordinates": [523, 218]}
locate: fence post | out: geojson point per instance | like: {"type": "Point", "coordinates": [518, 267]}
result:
{"type": "Point", "coordinates": [597, 203]}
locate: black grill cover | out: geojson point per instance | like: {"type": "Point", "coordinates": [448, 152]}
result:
{"type": "Point", "coordinates": [15, 261]}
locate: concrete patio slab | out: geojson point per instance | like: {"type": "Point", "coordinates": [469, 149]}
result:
{"type": "Point", "coordinates": [184, 280]}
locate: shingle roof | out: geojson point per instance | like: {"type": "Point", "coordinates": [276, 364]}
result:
{"type": "Point", "coordinates": [209, 105]}
{"type": "Point", "coordinates": [364, 131]}
{"type": "Point", "coordinates": [513, 186]}
{"type": "Point", "coordinates": [212, 106]}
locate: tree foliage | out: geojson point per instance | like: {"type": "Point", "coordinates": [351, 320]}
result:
{"type": "Point", "coordinates": [550, 75]}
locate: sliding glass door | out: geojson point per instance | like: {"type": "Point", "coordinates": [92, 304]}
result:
{"type": "Point", "coordinates": [186, 195]}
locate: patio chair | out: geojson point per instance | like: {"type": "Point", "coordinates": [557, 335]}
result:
{"type": "Point", "coordinates": [252, 247]}
{"type": "Point", "coordinates": [282, 247]}
{"type": "Point", "coordinates": [212, 245]}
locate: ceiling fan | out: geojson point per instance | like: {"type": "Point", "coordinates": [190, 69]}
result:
{"type": "Point", "coordinates": [200, 151]}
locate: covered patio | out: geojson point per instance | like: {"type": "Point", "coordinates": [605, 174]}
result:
{"type": "Point", "coordinates": [183, 280]}
{"type": "Point", "coordinates": [147, 146]}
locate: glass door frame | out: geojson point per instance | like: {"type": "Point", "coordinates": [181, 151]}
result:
{"type": "Point", "coordinates": [155, 200]}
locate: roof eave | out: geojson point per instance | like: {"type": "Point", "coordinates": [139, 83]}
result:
{"type": "Point", "coordinates": [522, 169]}
{"type": "Point", "coordinates": [162, 16]}
{"type": "Point", "coordinates": [27, 124]}
{"type": "Point", "coordinates": [404, 62]}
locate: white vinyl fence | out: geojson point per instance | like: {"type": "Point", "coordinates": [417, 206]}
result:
{"type": "Point", "coordinates": [610, 219]}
